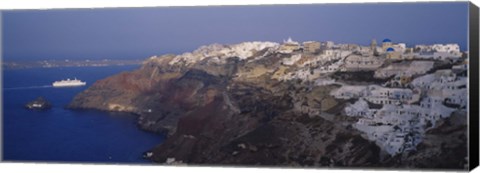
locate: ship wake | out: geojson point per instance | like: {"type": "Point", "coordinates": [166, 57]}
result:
{"type": "Point", "coordinates": [28, 87]}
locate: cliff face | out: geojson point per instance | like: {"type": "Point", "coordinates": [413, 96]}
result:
{"type": "Point", "coordinates": [229, 105]}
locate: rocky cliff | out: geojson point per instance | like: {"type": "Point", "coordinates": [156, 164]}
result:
{"type": "Point", "coordinates": [235, 105]}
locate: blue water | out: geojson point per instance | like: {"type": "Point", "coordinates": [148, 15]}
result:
{"type": "Point", "coordinates": [63, 135]}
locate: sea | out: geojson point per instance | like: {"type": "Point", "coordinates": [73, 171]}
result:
{"type": "Point", "coordinates": [63, 135]}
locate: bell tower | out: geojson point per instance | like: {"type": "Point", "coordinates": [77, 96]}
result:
{"type": "Point", "coordinates": [373, 47]}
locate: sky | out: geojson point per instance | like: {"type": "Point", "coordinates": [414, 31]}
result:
{"type": "Point", "coordinates": [138, 33]}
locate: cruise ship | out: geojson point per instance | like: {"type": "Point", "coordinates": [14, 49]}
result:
{"type": "Point", "coordinates": [68, 83]}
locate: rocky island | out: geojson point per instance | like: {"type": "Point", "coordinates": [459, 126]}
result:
{"type": "Point", "coordinates": [39, 103]}
{"type": "Point", "coordinates": [311, 104]}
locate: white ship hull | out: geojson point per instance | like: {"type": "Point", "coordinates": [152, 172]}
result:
{"type": "Point", "coordinates": [68, 83]}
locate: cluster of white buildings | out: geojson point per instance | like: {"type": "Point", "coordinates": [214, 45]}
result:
{"type": "Point", "coordinates": [328, 57]}
{"type": "Point", "coordinates": [444, 85]}
{"type": "Point", "coordinates": [220, 52]}
{"type": "Point", "coordinates": [312, 59]}
{"type": "Point", "coordinates": [396, 118]}
{"type": "Point", "coordinates": [437, 51]}
{"type": "Point", "coordinates": [449, 48]}
{"type": "Point", "coordinates": [395, 115]}
{"type": "Point", "coordinates": [378, 94]}
{"type": "Point", "coordinates": [393, 122]}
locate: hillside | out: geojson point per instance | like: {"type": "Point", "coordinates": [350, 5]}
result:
{"type": "Point", "coordinates": [265, 103]}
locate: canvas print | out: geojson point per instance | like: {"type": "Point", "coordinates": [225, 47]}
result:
{"type": "Point", "coordinates": [368, 85]}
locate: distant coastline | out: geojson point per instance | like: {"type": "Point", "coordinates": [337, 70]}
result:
{"type": "Point", "coordinates": [68, 63]}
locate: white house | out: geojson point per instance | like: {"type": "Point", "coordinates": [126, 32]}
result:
{"type": "Point", "coordinates": [382, 95]}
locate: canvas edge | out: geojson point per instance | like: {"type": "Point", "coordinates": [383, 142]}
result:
{"type": "Point", "coordinates": [474, 86]}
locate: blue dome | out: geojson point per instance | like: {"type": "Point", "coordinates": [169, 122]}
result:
{"type": "Point", "coordinates": [390, 49]}
{"type": "Point", "coordinates": [387, 40]}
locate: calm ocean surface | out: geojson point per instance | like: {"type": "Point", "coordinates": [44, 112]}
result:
{"type": "Point", "coordinates": [63, 135]}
